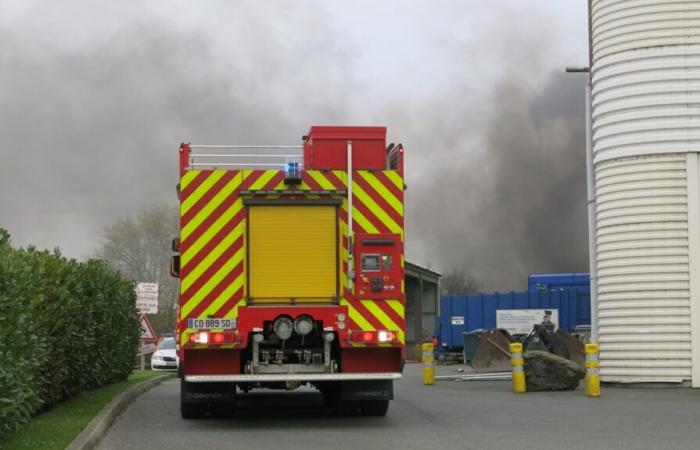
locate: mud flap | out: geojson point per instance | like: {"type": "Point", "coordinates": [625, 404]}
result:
{"type": "Point", "coordinates": [367, 390]}
{"type": "Point", "coordinates": [207, 392]}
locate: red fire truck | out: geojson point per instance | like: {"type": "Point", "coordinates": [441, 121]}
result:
{"type": "Point", "coordinates": [291, 267]}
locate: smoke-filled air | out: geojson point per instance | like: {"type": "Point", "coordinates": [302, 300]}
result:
{"type": "Point", "coordinates": [97, 96]}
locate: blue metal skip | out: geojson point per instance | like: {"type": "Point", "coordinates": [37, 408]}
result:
{"type": "Point", "coordinates": [479, 311]}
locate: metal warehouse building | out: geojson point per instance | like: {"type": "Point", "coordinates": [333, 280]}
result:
{"type": "Point", "coordinates": [645, 136]}
{"type": "Point", "coordinates": [422, 300]}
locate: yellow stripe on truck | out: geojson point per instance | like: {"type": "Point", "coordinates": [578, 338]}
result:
{"type": "Point", "coordinates": [263, 180]}
{"type": "Point", "coordinates": [188, 177]}
{"type": "Point", "coordinates": [375, 209]}
{"type": "Point", "coordinates": [383, 318]}
{"type": "Point", "coordinates": [398, 307]}
{"type": "Point", "coordinates": [211, 257]}
{"type": "Point", "coordinates": [382, 190]}
{"type": "Point", "coordinates": [222, 298]}
{"type": "Point", "coordinates": [363, 222]}
{"type": "Point", "coordinates": [394, 178]}
{"type": "Point", "coordinates": [211, 283]}
{"type": "Point", "coordinates": [321, 180]}
{"type": "Point", "coordinates": [200, 191]}
{"type": "Point", "coordinates": [357, 317]}
{"type": "Point", "coordinates": [210, 207]}
{"type": "Point", "coordinates": [196, 246]}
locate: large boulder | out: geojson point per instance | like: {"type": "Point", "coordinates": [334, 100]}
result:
{"type": "Point", "coordinates": [545, 371]}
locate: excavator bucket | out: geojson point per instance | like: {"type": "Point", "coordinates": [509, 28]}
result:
{"type": "Point", "coordinates": [573, 346]}
{"type": "Point", "coordinates": [492, 353]}
{"type": "Point", "coordinates": [492, 350]}
{"type": "Point", "coordinates": [559, 343]}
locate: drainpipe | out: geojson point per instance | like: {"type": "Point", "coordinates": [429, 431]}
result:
{"type": "Point", "coordinates": [590, 182]}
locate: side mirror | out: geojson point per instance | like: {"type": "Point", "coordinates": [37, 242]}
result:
{"type": "Point", "coordinates": [176, 245]}
{"type": "Point", "coordinates": [175, 266]}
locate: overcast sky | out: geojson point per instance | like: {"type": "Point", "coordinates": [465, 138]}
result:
{"type": "Point", "coordinates": [97, 96]}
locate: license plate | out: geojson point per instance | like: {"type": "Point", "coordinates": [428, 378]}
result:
{"type": "Point", "coordinates": [206, 324]}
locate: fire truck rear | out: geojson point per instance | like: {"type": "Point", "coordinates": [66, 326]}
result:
{"type": "Point", "coordinates": [290, 261]}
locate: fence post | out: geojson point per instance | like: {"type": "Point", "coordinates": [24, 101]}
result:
{"type": "Point", "coordinates": [516, 361]}
{"type": "Point", "coordinates": [428, 364]}
{"type": "Point", "coordinates": [592, 374]}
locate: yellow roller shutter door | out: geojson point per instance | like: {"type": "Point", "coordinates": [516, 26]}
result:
{"type": "Point", "coordinates": [292, 254]}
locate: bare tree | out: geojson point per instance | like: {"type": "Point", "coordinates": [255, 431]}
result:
{"type": "Point", "coordinates": [140, 248]}
{"type": "Point", "coordinates": [460, 282]}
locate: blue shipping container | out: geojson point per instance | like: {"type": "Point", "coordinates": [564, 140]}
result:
{"type": "Point", "coordinates": [479, 311]}
{"type": "Point", "coordinates": [547, 281]}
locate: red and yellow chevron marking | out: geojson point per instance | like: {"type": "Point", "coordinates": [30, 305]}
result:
{"type": "Point", "coordinates": [311, 180]}
{"type": "Point", "coordinates": [377, 208]}
{"type": "Point", "coordinates": [212, 230]}
{"type": "Point", "coordinates": [212, 238]}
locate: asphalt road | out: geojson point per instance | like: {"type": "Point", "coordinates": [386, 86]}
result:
{"type": "Point", "coordinates": [449, 415]}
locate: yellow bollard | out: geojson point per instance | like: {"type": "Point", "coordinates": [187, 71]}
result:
{"type": "Point", "coordinates": [592, 374]}
{"type": "Point", "coordinates": [428, 364]}
{"type": "Point", "coordinates": [516, 360]}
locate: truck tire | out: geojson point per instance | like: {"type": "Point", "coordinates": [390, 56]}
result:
{"type": "Point", "coordinates": [375, 407]}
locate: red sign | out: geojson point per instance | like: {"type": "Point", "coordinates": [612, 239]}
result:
{"type": "Point", "coordinates": [147, 333]}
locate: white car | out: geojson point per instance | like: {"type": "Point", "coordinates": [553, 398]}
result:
{"type": "Point", "coordinates": [165, 356]}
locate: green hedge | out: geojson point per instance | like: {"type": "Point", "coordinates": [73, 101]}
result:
{"type": "Point", "coordinates": [65, 327]}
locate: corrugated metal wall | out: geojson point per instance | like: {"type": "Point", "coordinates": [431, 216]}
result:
{"type": "Point", "coordinates": [643, 278]}
{"type": "Point", "coordinates": [645, 94]}
{"type": "Point", "coordinates": [645, 77]}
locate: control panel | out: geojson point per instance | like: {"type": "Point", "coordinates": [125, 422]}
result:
{"type": "Point", "coordinates": [378, 271]}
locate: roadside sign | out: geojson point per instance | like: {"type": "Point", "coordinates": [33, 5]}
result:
{"type": "Point", "coordinates": [147, 298]}
{"type": "Point", "coordinates": [147, 347]}
{"type": "Point", "coordinates": [520, 321]}
{"type": "Point", "coordinates": [147, 333]}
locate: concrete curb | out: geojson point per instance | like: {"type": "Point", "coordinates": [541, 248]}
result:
{"type": "Point", "coordinates": [98, 427]}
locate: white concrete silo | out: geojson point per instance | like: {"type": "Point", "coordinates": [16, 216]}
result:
{"type": "Point", "coordinates": [645, 77]}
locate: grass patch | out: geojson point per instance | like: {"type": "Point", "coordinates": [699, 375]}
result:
{"type": "Point", "coordinates": [57, 427]}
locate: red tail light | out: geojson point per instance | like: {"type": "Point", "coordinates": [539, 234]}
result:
{"type": "Point", "coordinates": [373, 337]}
{"type": "Point", "coordinates": [213, 337]}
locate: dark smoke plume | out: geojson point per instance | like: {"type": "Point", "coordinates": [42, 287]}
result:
{"type": "Point", "coordinates": [518, 204]}
{"type": "Point", "coordinates": [90, 134]}
{"type": "Point", "coordinates": [96, 99]}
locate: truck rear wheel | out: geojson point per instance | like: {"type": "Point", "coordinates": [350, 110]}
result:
{"type": "Point", "coordinates": [375, 407]}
